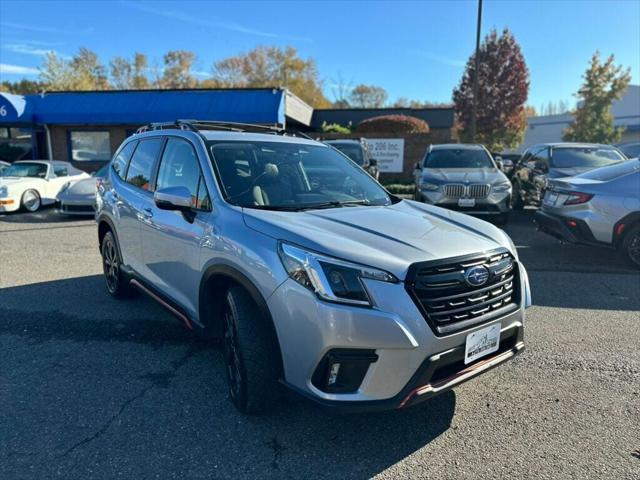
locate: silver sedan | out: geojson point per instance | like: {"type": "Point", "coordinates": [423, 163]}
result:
{"type": "Point", "coordinates": [79, 198]}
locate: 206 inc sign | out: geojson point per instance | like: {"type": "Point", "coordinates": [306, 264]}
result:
{"type": "Point", "coordinates": [389, 152]}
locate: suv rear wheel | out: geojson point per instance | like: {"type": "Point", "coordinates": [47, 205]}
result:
{"type": "Point", "coordinates": [117, 283]}
{"type": "Point", "coordinates": [631, 246]}
{"type": "Point", "coordinates": [250, 354]}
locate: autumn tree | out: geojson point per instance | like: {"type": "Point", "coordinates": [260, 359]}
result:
{"type": "Point", "coordinates": [593, 121]}
{"type": "Point", "coordinates": [83, 72]}
{"type": "Point", "coordinates": [22, 87]}
{"type": "Point", "coordinates": [503, 85]}
{"type": "Point", "coordinates": [127, 74]}
{"type": "Point", "coordinates": [177, 70]}
{"type": "Point", "coordinates": [368, 96]}
{"type": "Point", "coordinates": [272, 67]}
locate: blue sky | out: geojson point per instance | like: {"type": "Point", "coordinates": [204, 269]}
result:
{"type": "Point", "coordinates": [413, 49]}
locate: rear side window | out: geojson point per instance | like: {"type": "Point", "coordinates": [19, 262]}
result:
{"type": "Point", "coordinates": [141, 165]}
{"type": "Point", "coordinates": [180, 168]}
{"type": "Point", "coordinates": [121, 160]}
{"type": "Point", "coordinates": [60, 171]}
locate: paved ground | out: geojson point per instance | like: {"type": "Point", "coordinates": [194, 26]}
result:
{"type": "Point", "coordinates": [95, 388]}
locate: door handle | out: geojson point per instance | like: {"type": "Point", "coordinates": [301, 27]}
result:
{"type": "Point", "coordinates": [147, 212]}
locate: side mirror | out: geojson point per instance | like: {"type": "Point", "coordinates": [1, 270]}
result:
{"type": "Point", "coordinates": [417, 166]}
{"type": "Point", "coordinates": [173, 198]}
{"type": "Point", "coordinates": [500, 164]}
{"type": "Point", "coordinates": [541, 166]}
{"type": "Point", "coordinates": [373, 162]}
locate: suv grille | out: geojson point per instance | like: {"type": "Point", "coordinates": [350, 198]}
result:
{"type": "Point", "coordinates": [458, 190]}
{"type": "Point", "coordinates": [450, 302]}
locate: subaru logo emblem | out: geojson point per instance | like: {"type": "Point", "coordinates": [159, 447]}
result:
{"type": "Point", "coordinates": [477, 276]}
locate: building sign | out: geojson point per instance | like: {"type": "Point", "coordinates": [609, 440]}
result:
{"type": "Point", "coordinates": [389, 152]}
{"type": "Point", "coordinates": [11, 107]}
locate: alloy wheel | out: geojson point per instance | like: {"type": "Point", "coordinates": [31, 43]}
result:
{"type": "Point", "coordinates": [232, 356]}
{"type": "Point", "coordinates": [633, 249]}
{"type": "Point", "coordinates": [31, 201]}
{"type": "Point", "coordinates": [110, 265]}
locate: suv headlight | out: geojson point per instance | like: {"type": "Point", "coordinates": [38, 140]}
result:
{"type": "Point", "coordinates": [331, 279]}
{"type": "Point", "coordinates": [4, 191]}
{"type": "Point", "coordinates": [502, 187]}
{"type": "Point", "coordinates": [430, 187]}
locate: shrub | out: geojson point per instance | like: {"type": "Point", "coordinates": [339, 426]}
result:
{"type": "Point", "coordinates": [335, 128]}
{"type": "Point", "coordinates": [399, 124]}
{"type": "Point", "coordinates": [400, 188]}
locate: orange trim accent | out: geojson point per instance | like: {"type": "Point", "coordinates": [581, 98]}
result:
{"type": "Point", "coordinates": [7, 202]}
{"type": "Point", "coordinates": [178, 314]}
{"type": "Point", "coordinates": [477, 367]}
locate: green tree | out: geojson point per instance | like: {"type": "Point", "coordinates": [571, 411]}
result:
{"type": "Point", "coordinates": [368, 96]}
{"type": "Point", "coordinates": [87, 71]}
{"type": "Point", "coordinates": [177, 70]}
{"type": "Point", "coordinates": [55, 73]}
{"type": "Point", "coordinates": [503, 87]}
{"type": "Point", "coordinates": [603, 83]}
{"type": "Point", "coordinates": [271, 67]}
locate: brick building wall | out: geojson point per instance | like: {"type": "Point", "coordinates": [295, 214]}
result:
{"type": "Point", "coordinates": [415, 146]}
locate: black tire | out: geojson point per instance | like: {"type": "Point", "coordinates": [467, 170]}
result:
{"type": "Point", "coordinates": [30, 201]}
{"type": "Point", "coordinates": [630, 246]}
{"type": "Point", "coordinates": [516, 200]}
{"type": "Point", "coordinates": [251, 354]}
{"type": "Point", "coordinates": [116, 281]}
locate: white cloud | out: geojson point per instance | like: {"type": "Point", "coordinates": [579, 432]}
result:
{"type": "Point", "coordinates": [208, 22]}
{"type": "Point", "coordinates": [440, 59]}
{"type": "Point", "coordinates": [8, 69]}
{"type": "Point", "coordinates": [36, 28]}
{"type": "Point", "coordinates": [26, 49]}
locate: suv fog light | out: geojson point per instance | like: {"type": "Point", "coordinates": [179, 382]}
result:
{"type": "Point", "coordinates": [342, 370]}
{"type": "Point", "coordinates": [333, 374]}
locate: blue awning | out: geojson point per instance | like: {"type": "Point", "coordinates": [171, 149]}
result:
{"type": "Point", "coordinates": [264, 106]}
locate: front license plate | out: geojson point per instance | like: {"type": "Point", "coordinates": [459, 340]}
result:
{"type": "Point", "coordinates": [467, 202]}
{"type": "Point", "coordinates": [482, 342]}
{"type": "Point", "coordinates": [550, 198]}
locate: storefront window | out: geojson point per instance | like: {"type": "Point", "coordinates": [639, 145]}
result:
{"type": "Point", "coordinates": [88, 146]}
{"type": "Point", "coordinates": [15, 144]}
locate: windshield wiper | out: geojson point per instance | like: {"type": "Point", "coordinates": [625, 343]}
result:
{"type": "Point", "coordinates": [335, 204]}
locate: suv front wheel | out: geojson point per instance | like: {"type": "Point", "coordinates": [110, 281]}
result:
{"type": "Point", "coordinates": [250, 354]}
{"type": "Point", "coordinates": [117, 283]}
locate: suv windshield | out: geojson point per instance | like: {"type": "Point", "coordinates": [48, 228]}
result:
{"type": "Point", "coordinates": [287, 176]}
{"type": "Point", "coordinates": [458, 158]}
{"type": "Point", "coordinates": [584, 157]}
{"type": "Point", "coordinates": [353, 151]}
{"type": "Point", "coordinates": [36, 170]}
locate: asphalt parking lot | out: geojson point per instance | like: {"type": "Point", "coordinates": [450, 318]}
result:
{"type": "Point", "coordinates": [91, 387]}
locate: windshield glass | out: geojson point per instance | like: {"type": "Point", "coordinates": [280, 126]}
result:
{"type": "Point", "coordinates": [458, 158]}
{"type": "Point", "coordinates": [275, 175]}
{"type": "Point", "coordinates": [354, 152]}
{"type": "Point", "coordinates": [588, 157]}
{"type": "Point", "coordinates": [36, 170]}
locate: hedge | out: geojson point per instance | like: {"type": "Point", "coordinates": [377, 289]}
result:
{"type": "Point", "coordinates": [399, 124]}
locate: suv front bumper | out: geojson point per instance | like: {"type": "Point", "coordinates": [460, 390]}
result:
{"type": "Point", "coordinates": [494, 204]}
{"type": "Point", "coordinates": [412, 364]}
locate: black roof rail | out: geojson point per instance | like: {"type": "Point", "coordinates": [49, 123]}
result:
{"type": "Point", "coordinates": [197, 125]}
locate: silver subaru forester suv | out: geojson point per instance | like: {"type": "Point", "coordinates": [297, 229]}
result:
{"type": "Point", "coordinates": [308, 271]}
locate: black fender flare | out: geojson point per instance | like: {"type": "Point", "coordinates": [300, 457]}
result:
{"type": "Point", "coordinates": [241, 279]}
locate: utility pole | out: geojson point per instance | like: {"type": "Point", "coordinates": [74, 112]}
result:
{"type": "Point", "coordinates": [474, 105]}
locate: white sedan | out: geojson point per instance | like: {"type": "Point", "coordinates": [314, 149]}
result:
{"type": "Point", "coordinates": [30, 184]}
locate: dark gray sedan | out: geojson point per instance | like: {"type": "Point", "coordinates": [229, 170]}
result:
{"type": "Point", "coordinates": [463, 177]}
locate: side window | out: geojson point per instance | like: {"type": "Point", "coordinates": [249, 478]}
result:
{"type": "Point", "coordinates": [179, 168]}
{"type": "Point", "coordinates": [141, 165]}
{"type": "Point", "coordinates": [121, 160]}
{"type": "Point", "coordinates": [60, 171]}
{"type": "Point", "coordinates": [540, 159]}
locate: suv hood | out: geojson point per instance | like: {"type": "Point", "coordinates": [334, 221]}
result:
{"type": "Point", "coordinates": [390, 238]}
{"type": "Point", "coordinates": [461, 175]}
